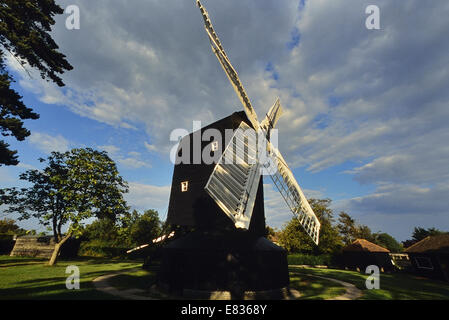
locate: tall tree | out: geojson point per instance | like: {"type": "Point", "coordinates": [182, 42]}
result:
{"type": "Point", "coordinates": [387, 241]}
{"type": "Point", "coordinates": [347, 228]}
{"type": "Point", "coordinates": [9, 226]}
{"type": "Point", "coordinates": [73, 187]}
{"type": "Point", "coordinates": [293, 238]}
{"type": "Point", "coordinates": [421, 233]}
{"type": "Point", "coordinates": [25, 28]}
{"type": "Point", "coordinates": [147, 227]}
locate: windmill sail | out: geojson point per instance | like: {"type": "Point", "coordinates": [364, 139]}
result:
{"type": "Point", "coordinates": [286, 183]}
{"type": "Point", "coordinates": [234, 182]}
{"type": "Point", "coordinates": [272, 118]}
{"type": "Point", "coordinates": [219, 52]}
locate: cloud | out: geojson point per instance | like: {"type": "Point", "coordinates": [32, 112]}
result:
{"type": "Point", "coordinates": [48, 143]}
{"type": "Point", "coordinates": [277, 213]}
{"type": "Point", "coordinates": [132, 160]}
{"type": "Point", "coordinates": [150, 147]}
{"type": "Point", "coordinates": [374, 99]}
{"type": "Point", "coordinates": [143, 196]}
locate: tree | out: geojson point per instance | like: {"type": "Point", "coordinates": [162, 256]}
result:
{"type": "Point", "coordinates": [347, 228]}
{"type": "Point", "coordinates": [293, 238]}
{"type": "Point", "coordinates": [25, 28]}
{"type": "Point", "coordinates": [421, 233]}
{"type": "Point", "coordinates": [350, 230]}
{"type": "Point", "coordinates": [364, 232]}
{"type": "Point", "coordinates": [146, 227]}
{"type": "Point", "coordinates": [9, 226]}
{"type": "Point", "coordinates": [387, 241]}
{"type": "Point", "coordinates": [74, 186]}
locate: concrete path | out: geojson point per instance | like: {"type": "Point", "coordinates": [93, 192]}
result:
{"type": "Point", "coordinates": [101, 284]}
{"type": "Point", "coordinates": [352, 292]}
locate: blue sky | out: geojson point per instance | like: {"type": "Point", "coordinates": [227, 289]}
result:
{"type": "Point", "coordinates": [366, 111]}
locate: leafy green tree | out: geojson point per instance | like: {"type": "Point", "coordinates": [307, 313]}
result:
{"type": "Point", "coordinates": [74, 186]}
{"type": "Point", "coordinates": [387, 241]}
{"type": "Point", "coordinates": [421, 233]}
{"type": "Point", "coordinates": [347, 228]}
{"type": "Point", "coordinates": [364, 232]}
{"type": "Point", "coordinates": [294, 239]}
{"type": "Point", "coordinates": [350, 230]}
{"type": "Point", "coordinates": [146, 227]}
{"type": "Point", "coordinates": [102, 229]}
{"type": "Point", "coordinates": [9, 226]}
{"type": "Point", "coordinates": [25, 28]}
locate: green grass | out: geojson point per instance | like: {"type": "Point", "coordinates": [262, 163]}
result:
{"type": "Point", "coordinates": [31, 278]}
{"type": "Point", "coordinates": [394, 286]}
{"type": "Point", "coordinates": [312, 288]}
{"type": "Point", "coordinates": [141, 279]}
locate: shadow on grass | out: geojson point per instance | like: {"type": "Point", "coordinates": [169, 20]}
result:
{"type": "Point", "coordinates": [315, 288]}
{"type": "Point", "coordinates": [393, 286]}
{"type": "Point", "coordinates": [20, 261]}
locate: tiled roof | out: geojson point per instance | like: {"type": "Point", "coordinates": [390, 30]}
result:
{"type": "Point", "coordinates": [438, 243]}
{"type": "Point", "coordinates": [362, 245]}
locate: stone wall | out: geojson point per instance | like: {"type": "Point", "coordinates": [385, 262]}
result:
{"type": "Point", "coordinates": [33, 246]}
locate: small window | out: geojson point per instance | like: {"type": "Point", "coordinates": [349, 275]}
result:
{"type": "Point", "coordinates": [184, 186]}
{"type": "Point", "coordinates": [424, 263]}
{"type": "Point", "coordinates": [214, 146]}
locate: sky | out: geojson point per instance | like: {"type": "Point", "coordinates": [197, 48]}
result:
{"type": "Point", "coordinates": [366, 111]}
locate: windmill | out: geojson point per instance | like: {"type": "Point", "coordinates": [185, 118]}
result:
{"type": "Point", "coordinates": [223, 200]}
{"type": "Point", "coordinates": [244, 190]}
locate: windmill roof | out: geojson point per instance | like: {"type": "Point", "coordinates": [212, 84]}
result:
{"type": "Point", "coordinates": [438, 243]}
{"type": "Point", "coordinates": [362, 245]}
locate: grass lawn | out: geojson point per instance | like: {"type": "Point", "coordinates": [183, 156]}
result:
{"type": "Point", "coordinates": [313, 288]}
{"type": "Point", "coordinates": [140, 279]}
{"type": "Point", "coordinates": [30, 278]}
{"type": "Point", "coordinates": [395, 286]}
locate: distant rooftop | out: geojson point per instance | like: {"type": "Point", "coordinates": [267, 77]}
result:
{"type": "Point", "coordinates": [438, 243]}
{"type": "Point", "coordinates": [362, 245]}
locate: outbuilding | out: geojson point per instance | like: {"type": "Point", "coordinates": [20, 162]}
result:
{"type": "Point", "coordinates": [361, 253]}
{"type": "Point", "coordinates": [430, 257]}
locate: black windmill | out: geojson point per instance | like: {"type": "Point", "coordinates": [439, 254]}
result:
{"type": "Point", "coordinates": [217, 194]}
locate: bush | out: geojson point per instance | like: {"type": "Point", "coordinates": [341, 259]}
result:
{"type": "Point", "coordinates": [308, 259]}
{"type": "Point", "coordinates": [98, 248]}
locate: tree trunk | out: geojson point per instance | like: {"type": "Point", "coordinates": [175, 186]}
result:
{"type": "Point", "coordinates": [58, 246]}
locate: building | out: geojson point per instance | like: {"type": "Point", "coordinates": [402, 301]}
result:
{"type": "Point", "coordinates": [362, 253]}
{"type": "Point", "coordinates": [430, 257]}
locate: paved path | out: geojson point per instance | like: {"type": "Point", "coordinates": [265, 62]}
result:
{"type": "Point", "coordinates": [101, 283]}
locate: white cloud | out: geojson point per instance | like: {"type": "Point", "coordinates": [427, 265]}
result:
{"type": "Point", "coordinates": [351, 95]}
{"type": "Point", "coordinates": [48, 143]}
{"type": "Point", "coordinates": [132, 160]}
{"type": "Point", "coordinates": [143, 196]}
{"type": "Point", "coordinates": [277, 213]}
{"type": "Point", "coordinates": [150, 147]}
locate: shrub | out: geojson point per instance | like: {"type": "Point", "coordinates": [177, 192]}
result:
{"type": "Point", "coordinates": [308, 259]}
{"type": "Point", "coordinates": [98, 248]}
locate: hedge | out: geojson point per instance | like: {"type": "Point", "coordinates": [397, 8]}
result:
{"type": "Point", "coordinates": [308, 259]}
{"type": "Point", "coordinates": [102, 249]}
